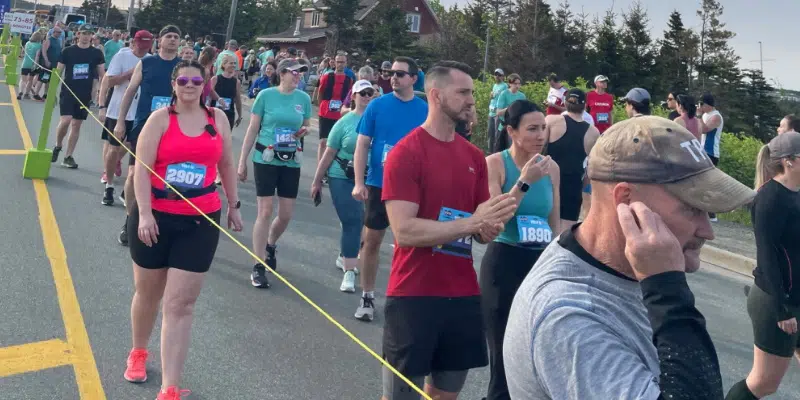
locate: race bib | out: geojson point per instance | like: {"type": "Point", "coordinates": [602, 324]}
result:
{"type": "Point", "coordinates": [285, 140]}
{"type": "Point", "coordinates": [159, 102]}
{"type": "Point", "coordinates": [80, 71]}
{"type": "Point", "coordinates": [46, 76]}
{"type": "Point", "coordinates": [386, 149]}
{"type": "Point", "coordinates": [459, 247]}
{"type": "Point", "coordinates": [335, 105]}
{"type": "Point", "coordinates": [186, 175]}
{"type": "Point", "coordinates": [602, 118]}
{"type": "Point", "coordinates": [224, 103]}
{"type": "Point", "coordinates": [534, 231]}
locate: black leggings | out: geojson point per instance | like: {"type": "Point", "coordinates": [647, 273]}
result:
{"type": "Point", "coordinates": [503, 269]}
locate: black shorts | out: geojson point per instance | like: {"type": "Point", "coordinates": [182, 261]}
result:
{"type": "Point", "coordinates": [426, 334]}
{"type": "Point", "coordinates": [767, 336]}
{"type": "Point", "coordinates": [69, 106]}
{"type": "Point", "coordinates": [375, 216]}
{"type": "Point", "coordinates": [571, 192]}
{"type": "Point", "coordinates": [110, 124]}
{"type": "Point", "coordinates": [26, 72]}
{"type": "Point", "coordinates": [325, 126]}
{"type": "Point", "coordinates": [272, 178]}
{"type": "Point", "coordinates": [185, 242]}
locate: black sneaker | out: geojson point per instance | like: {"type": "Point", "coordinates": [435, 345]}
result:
{"type": "Point", "coordinates": [123, 235]}
{"type": "Point", "coordinates": [271, 260]}
{"type": "Point", "coordinates": [259, 277]}
{"type": "Point", "coordinates": [56, 151]}
{"type": "Point", "coordinates": [108, 198]}
{"type": "Point", "coordinates": [69, 162]}
{"type": "Point", "coordinates": [19, 96]}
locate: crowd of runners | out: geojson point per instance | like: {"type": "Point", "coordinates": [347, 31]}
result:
{"type": "Point", "coordinates": [558, 306]}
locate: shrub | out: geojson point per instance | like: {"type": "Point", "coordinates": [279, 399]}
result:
{"type": "Point", "coordinates": [738, 157]}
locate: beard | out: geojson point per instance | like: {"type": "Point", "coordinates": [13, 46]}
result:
{"type": "Point", "coordinates": [455, 115]}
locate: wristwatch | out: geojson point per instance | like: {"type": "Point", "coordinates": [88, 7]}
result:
{"type": "Point", "coordinates": [523, 187]}
{"type": "Point", "coordinates": [236, 205]}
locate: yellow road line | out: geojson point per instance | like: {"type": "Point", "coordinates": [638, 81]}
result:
{"type": "Point", "coordinates": [32, 357]}
{"type": "Point", "coordinates": [86, 374]}
{"type": "Point", "coordinates": [12, 152]}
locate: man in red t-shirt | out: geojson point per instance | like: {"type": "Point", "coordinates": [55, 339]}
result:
{"type": "Point", "coordinates": [600, 104]}
{"type": "Point", "coordinates": [436, 190]}
{"type": "Point", "coordinates": [331, 92]}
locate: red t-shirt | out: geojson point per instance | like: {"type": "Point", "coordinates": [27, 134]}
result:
{"type": "Point", "coordinates": [600, 107]}
{"type": "Point", "coordinates": [434, 174]}
{"type": "Point", "coordinates": [331, 109]}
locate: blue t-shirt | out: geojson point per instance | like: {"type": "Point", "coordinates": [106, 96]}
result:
{"type": "Point", "coordinates": [281, 115]}
{"type": "Point", "coordinates": [419, 86]}
{"type": "Point", "coordinates": [387, 120]}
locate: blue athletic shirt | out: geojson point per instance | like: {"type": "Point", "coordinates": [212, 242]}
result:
{"type": "Point", "coordinates": [156, 87]}
{"type": "Point", "coordinates": [387, 120]}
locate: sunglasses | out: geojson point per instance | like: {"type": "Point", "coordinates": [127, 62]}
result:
{"type": "Point", "coordinates": [367, 93]}
{"type": "Point", "coordinates": [399, 74]}
{"type": "Point", "coordinates": [184, 80]}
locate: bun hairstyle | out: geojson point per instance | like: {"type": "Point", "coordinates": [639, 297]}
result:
{"type": "Point", "coordinates": [513, 117]}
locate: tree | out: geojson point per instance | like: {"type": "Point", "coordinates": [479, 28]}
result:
{"type": "Point", "coordinates": [673, 63]}
{"type": "Point", "coordinates": [717, 58]}
{"type": "Point", "coordinates": [340, 15]}
{"type": "Point", "coordinates": [457, 42]}
{"type": "Point", "coordinates": [637, 56]}
{"type": "Point", "coordinates": [385, 34]}
{"type": "Point", "coordinates": [760, 100]}
{"type": "Point", "coordinates": [606, 57]}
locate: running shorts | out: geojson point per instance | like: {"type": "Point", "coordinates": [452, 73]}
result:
{"type": "Point", "coordinates": [422, 335]}
{"type": "Point", "coordinates": [109, 125]}
{"type": "Point", "coordinates": [767, 336]}
{"type": "Point", "coordinates": [325, 126]}
{"type": "Point", "coordinates": [375, 216]}
{"type": "Point", "coordinates": [68, 105]}
{"type": "Point", "coordinates": [185, 242]}
{"type": "Point", "coordinates": [26, 72]}
{"type": "Point", "coordinates": [272, 179]}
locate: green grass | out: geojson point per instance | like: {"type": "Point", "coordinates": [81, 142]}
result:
{"type": "Point", "coordinates": [740, 216]}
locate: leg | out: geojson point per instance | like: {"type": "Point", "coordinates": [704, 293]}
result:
{"type": "Point", "coordinates": [61, 130]}
{"type": "Point", "coordinates": [182, 290]}
{"type": "Point", "coordinates": [445, 385]}
{"type": "Point", "coordinates": [766, 374]}
{"type": "Point", "coordinates": [395, 388]}
{"type": "Point", "coordinates": [262, 226]}
{"type": "Point", "coordinates": [368, 264]}
{"type": "Point", "coordinates": [149, 285]}
{"type": "Point", "coordinates": [130, 196]}
{"type": "Point", "coordinates": [279, 224]}
{"type": "Point", "coordinates": [351, 215]}
{"type": "Point", "coordinates": [288, 185]}
{"type": "Point", "coordinates": [75, 133]}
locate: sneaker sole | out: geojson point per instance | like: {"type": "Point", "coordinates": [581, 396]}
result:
{"type": "Point", "coordinates": [347, 290]}
{"type": "Point", "coordinates": [107, 203]}
{"type": "Point", "coordinates": [135, 380]}
{"type": "Point", "coordinates": [365, 318]}
{"type": "Point", "coordinates": [258, 286]}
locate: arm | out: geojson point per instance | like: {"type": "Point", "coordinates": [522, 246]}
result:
{"type": "Point", "coordinates": [101, 72]}
{"type": "Point", "coordinates": [146, 149]}
{"type": "Point", "coordinates": [363, 144]}
{"type": "Point", "coordinates": [226, 169]}
{"type": "Point", "coordinates": [213, 94]}
{"type": "Point", "coordinates": [250, 138]}
{"type": "Point", "coordinates": [45, 47]}
{"type": "Point", "coordinates": [238, 100]}
{"type": "Point", "coordinates": [324, 163]}
{"type": "Point", "coordinates": [713, 123]}
{"type": "Point", "coordinates": [686, 354]}
{"type": "Point", "coordinates": [501, 104]}
{"type": "Point", "coordinates": [410, 231]}
{"type": "Point", "coordinates": [769, 222]}
{"type": "Point", "coordinates": [497, 174]}
{"type": "Point", "coordinates": [590, 139]}
{"type": "Point", "coordinates": [130, 93]}
{"type": "Point", "coordinates": [554, 219]}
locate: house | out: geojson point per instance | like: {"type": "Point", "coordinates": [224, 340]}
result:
{"type": "Point", "coordinates": [310, 32]}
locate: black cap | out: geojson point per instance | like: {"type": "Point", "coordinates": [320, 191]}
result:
{"type": "Point", "coordinates": [292, 51]}
{"type": "Point", "coordinates": [575, 96]}
{"type": "Point", "coordinates": [708, 99]}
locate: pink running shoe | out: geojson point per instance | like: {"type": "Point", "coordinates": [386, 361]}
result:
{"type": "Point", "coordinates": [172, 393]}
{"type": "Point", "coordinates": [137, 362]}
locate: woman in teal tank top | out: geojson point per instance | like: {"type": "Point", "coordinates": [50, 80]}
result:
{"type": "Point", "coordinates": [532, 179]}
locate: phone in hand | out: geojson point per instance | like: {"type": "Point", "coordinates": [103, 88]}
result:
{"type": "Point", "coordinates": [538, 158]}
{"type": "Point", "coordinates": [317, 199]}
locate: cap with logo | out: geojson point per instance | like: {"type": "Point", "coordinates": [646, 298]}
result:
{"type": "Point", "coordinates": [600, 78]}
{"type": "Point", "coordinates": [575, 96]}
{"type": "Point", "coordinates": [291, 64]}
{"type": "Point", "coordinates": [85, 28]}
{"type": "Point", "coordinates": [784, 145]}
{"type": "Point", "coordinates": [361, 85]}
{"type": "Point", "coordinates": [637, 95]}
{"type": "Point", "coordinates": [655, 150]}
{"type": "Point", "coordinates": [499, 72]}
{"type": "Point", "coordinates": [143, 36]}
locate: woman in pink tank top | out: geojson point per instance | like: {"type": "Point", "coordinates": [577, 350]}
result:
{"type": "Point", "coordinates": [172, 242]}
{"type": "Point", "coordinates": [688, 116]}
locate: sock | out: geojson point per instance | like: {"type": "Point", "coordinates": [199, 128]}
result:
{"type": "Point", "coordinates": [109, 185]}
{"type": "Point", "coordinates": [740, 391]}
{"type": "Point", "coordinates": [369, 295]}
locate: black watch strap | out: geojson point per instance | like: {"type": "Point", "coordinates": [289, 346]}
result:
{"type": "Point", "coordinates": [523, 187]}
{"type": "Point", "coordinates": [236, 205]}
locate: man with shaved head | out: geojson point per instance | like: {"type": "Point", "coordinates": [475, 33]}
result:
{"type": "Point", "coordinates": [436, 190]}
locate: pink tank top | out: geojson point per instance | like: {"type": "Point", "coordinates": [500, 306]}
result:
{"type": "Point", "coordinates": [187, 163]}
{"type": "Point", "coordinates": [692, 125]}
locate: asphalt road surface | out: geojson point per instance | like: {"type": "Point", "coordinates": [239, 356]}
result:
{"type": "Point", "coordinates": [247, 343]}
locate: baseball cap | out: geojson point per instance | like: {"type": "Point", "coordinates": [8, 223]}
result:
{"type": "Point", "coordinates": [637, 95]}
{"type": "Point", "coordinates": [600, 78]}
{"type": "Point", "coordinates": [708, 99]}
{"type": "Point", "coordinates": [361, 85]}
{"type": "Point", "coordinates": [655, 150]}
{"type": "Point", "coordinates": [386, 65]}
{"type": "Point", "coordinates": [499, 72]}
{"type": "Point", "coordinates": [784, 145]}
{"type": "Point", "coordinates": [291, 64]}
{"type": "Point", "coordinates": [143, 36]}
{"type": "Point", "coordinates": [233, 43]}
{"type": "Point", "coordinates": [575, 96]}
{"type": "Point", "coordinates": [85, 28]}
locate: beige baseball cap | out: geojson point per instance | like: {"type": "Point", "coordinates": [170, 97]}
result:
{"type": "Point", "coordinates": [655, 150]}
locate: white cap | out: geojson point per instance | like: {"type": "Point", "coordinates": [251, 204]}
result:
{"type": "Point", "coordinates": [600, 78]}
{"type": "Point", "coordinates": [361, 85]}
{"type": "Point", "coordinates": [499, 71]}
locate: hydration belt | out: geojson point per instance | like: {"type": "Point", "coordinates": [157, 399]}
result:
{"type": "Point", "coordinates": [281, 155]}
{"type": "Point", "coordinates": [169, 194]}
{"type": "Point", "coordinates": [348, 166]}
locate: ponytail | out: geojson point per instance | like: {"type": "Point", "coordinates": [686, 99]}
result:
{"type": "Point", "coordinates": [766, 168]}
{"type": "Point", "coordinates": [503, 141]}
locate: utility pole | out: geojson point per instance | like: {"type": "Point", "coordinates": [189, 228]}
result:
{"type": "Point", "coordinates": [130, 17]}
{"type": "Point", "coordinates": [231, 20]}
{"type": "Point", "coordinates": [761, 57]}
{"type": "Point", "coordinates": [108, 7]}
{"type": "Point", "coordinates": [496, 4]}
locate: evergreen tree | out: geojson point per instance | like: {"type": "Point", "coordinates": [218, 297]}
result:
{"type": "Point", "coordinates": [760, 100]}
{"type": "Point", "coordinates": [637, 51]}
{"type": "Point", "coordinates": [385, 34]}
{"type": "Point", "coordinates": [341, 17]}
{"type": "Point", "coordinates": [606, 57]}
{"type": "Point", "coordinates": [717, 58]}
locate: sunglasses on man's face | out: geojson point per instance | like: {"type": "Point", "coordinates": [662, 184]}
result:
{"type": "Point", "coordinates": [367, 93]}
{"type": "Point", "coordinates": [399, 74]}
{"type": "Point", "coordinates": [184, 80]}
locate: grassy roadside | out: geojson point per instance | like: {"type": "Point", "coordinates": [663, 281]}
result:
{"type": "Point", "coordinates": [740, 216]}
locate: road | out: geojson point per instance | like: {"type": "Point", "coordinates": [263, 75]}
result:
{"type": "Point", "coordinates": [247, 343]}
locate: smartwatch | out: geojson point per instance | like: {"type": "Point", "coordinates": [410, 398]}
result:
{"type": "Point", "coordinates": [236, 205]}
{"type": "Point", "coordinates": [523, 187]}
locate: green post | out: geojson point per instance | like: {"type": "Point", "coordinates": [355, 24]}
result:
{"type": "Point", "coordinates": [4, 38]}
{"type": "Point", "coordinates": [11, 61]}
{"type": "Point", "coordinates": [38, 159]}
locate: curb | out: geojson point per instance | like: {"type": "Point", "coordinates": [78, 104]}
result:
{"type": "Point", "coordinates": [727, 260]}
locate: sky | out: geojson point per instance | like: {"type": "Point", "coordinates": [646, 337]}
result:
{"type": "Point", "coordinates": [751, 24]}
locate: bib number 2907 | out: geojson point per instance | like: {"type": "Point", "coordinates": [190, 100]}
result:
{"type": "Point", "coordinates": [186, 175]}
{"type": "Point", "coordinates": [461, 247]}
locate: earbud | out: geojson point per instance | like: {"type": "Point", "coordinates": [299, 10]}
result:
{"type": "Point", "coordinates": [789, 163]}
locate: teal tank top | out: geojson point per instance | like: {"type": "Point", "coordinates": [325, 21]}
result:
{"type": "Point", "coordinates": [538, 200]}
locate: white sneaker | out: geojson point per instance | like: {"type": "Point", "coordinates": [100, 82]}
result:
{"type": "Point", "coordinates": [366, 310]}
{"type": "Point", "coordinates": [348, 282]}
{"type": "Point", "coordinates": [340, 264]}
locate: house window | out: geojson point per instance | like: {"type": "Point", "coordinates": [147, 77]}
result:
{"type": "Point", "coordinates": [315, 17]}
{"type": "Point", "coordinates": [413, 22]}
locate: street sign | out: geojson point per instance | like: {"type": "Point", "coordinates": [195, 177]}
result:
{"type": "Point", "coordinates": [20, 22]}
